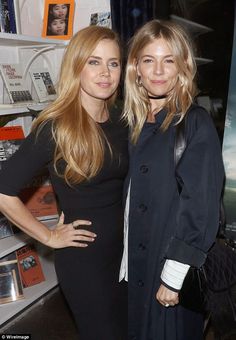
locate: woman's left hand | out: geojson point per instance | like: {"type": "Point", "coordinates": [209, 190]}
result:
{"type": "Point", "coordinates": [167, 297]}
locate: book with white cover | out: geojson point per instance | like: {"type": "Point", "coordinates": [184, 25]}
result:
{"type": "Point", "coordinates": [15, 85]}
{"type": "Point", "coordinates": [43, 84]}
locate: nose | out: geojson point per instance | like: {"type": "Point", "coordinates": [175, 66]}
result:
{"type": "Point", "coordinates": [158, 68]}
{"type": "Point", "coordinates": [105, 71]}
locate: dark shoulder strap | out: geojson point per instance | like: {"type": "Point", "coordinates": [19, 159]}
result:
{"type": "Point", "coordinates": [180, 141]}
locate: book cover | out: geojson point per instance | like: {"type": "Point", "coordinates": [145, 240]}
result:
{"type": "Point", "coordinates": [11, 9]}
{"type": "Point", "coordinates": [10, 280]}
{"type": "Point", "coordinates": [5, 17]}
{"type": "Point", "coordinates": [6, 227]}
{"type": "Point", "coordinates": [30, 267]}
{"type": "Point", "coordinates": [58, 19]}
{"type": "Point", "coordinates": [7, 149]}
{"type": "Point", "coordinates": [11, 132]}
{"type": "Point", "coordinates": [101, 19]}
{"type": "Point", "coordinates": [40, 200]}
{"type": "Point", "coordinates": [43, 84]}
{"type": "Point", "coordinates": [16, 87]}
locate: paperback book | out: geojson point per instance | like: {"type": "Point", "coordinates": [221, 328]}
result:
{"type": "Point", "coordinates": [10, 279]}
{"type": "Point", "coordinates": [43, 85]}
{"type": "Point", "coordinates": [15, 85]}
{"type": "Point", "coordinates": [30, 267]}
{"type": "Point", "coordinates": [58, 19]}
{"type": "Point", "coordinates": [39, 198]}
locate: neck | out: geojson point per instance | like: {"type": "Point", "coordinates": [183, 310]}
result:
{"type": "Point", "coordinates": [97, 109]}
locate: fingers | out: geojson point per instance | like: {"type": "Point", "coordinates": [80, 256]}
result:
{"type": "Point", "coordinates": [61, 218]}
{"type": "Point", "coordinates": [76, 224]}
{"type": "Point", "coordinates": [72, 234]}
{"type": "Point", "coordinates": [167, 297]}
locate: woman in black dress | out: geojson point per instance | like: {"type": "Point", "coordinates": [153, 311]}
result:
{"type": "Point", "coordinates": [84, 146]}
{"type": "Point", "coordinates": [171, 227]}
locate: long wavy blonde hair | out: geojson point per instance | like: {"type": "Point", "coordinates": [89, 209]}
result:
{"type": "Point", "coordinates": [137, 104]}
{"type": "Point", "coordinates": [79, 139]}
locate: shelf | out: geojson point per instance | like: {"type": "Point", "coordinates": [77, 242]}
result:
{"type": "Point", "coordinates": [31, 294]}
{"type": "Point", "coordinates": [8, 109]}
{"type": "Point", "coordinates": [192, 27]}
{"type": "Point", "coordinates": [203, 61]}
{"type": "Point", "coordinates": [13, 40]}
{"type": "Point", "coordinates": [12, 243]}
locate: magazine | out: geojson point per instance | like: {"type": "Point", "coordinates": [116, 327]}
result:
{"type": "Point", "coordinates": [43, 84]}
{"type": "Point", "coordinates": [15, 85]}
{"type": "Point", "coordinates": [30, 267]}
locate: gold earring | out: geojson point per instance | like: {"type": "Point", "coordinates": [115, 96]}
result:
{"type": "Point", "coordinates": [138, 81]}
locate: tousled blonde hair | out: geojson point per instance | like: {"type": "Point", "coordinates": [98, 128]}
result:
{"type": "Point", "coordinates": [79, 139]}
{"type": "Point", "coordinates": [137, 104]}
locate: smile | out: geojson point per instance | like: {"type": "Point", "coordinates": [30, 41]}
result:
{"type": "Point", "coordinates": [158, 82]}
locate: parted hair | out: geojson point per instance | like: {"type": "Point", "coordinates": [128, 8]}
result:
{"type": "Point", "coordinates": [137, 104]}
{"type": "Point", "coordinates": [78, 138]}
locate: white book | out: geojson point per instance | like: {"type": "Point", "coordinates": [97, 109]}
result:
{"type": "Point", "coordinates": [43, 84]}
{"type": "Point", "coordinates": [15, 85]}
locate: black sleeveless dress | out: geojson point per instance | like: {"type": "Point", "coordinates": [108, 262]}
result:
{"type": "Point", "coordinates": [88, 276]}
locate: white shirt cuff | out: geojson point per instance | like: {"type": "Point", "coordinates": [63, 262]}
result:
{"type": "Point", "coordinates": [173, 273]}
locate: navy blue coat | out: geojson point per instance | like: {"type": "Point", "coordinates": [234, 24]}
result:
{"type": "Point", "coordinates": [164, 224]}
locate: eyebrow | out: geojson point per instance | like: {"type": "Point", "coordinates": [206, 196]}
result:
{"type": "Point", "coordinates": [99, 58]}
{"type": "Point", "coordinates": [152, 56]}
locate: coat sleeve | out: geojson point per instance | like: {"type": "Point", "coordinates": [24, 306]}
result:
{"type": "Point", "coordinates": [201, 174]}
{"type": "Point", "coordinates": [33, 155]}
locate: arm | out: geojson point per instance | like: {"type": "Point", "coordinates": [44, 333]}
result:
{"type": "Point", "coordinates": [63, 235]}
{"type": "Point", "coordinates": [32, 156]}
{"type": "Point", "coordinates": [201, 175]}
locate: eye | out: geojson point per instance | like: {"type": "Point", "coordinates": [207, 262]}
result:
{"type": "Point", "coordinates": [114, 64]}
{"type": "Point", "coordinates": [93, 62]}
{"type": "Point", "coordinates": [147, 60]}
{"type": "Point", "coordinates": [169, 61]}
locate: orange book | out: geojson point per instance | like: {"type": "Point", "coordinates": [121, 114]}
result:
{"type": "Point", "coordinates": [58, 19]}
{"type": "Point", "coordinates": [11, 132]}
{"type": "Point", "coordinates": [29, 265]}
{"type": "Point", "coordinates": [40, 201]}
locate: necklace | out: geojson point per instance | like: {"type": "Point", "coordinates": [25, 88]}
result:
{"type": "Point", "coordinates": [158, 97]}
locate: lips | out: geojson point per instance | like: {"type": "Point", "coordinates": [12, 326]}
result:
{"type": "Point", "coordinates": [104, 85]}
{"type": "Point", "coordinates": [158, 82]}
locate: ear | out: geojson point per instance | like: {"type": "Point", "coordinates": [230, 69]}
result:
{"type": "Point", "coordinates": [136, 64]}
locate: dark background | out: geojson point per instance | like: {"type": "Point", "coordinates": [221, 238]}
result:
{"type": "Point", "coordinates": [213, 77]}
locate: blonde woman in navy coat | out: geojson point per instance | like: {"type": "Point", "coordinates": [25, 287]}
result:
{"type": "Point", "coordinates": [166, 231]}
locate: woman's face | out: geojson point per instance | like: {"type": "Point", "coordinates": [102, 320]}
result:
{"type": "Point", "coordinates": [58, 26]}
{"type": "Point", "coordinates": [101, 74]}
{"type": "Point", "coordinates": [60, 11]}
{"type": "Point", "coordinates": [157, 68]}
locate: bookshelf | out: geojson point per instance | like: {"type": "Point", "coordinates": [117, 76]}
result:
{"type": "Point", "coordinates": [28, 51]}
{"type": "Point", "coordinates": [31, 294]}
{"type": "Point", "coordinates": [194, 30]}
